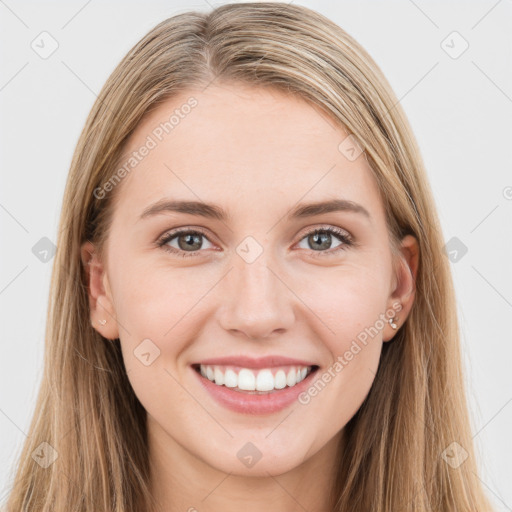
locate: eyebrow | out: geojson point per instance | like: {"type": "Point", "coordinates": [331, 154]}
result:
{"type": "Point", "coordinates": [213, 211]}
{"type": "Point", "coordinates": [333, 205]}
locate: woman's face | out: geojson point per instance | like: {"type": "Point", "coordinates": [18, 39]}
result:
{"type": "Point", "coordinates": [237, 167]}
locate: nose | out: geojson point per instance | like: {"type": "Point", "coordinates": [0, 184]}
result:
{"type": "Point", "coordinates": [256, 300]}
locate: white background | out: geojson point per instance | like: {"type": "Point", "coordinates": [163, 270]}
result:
{"type": "Point", "coordinates": [460, 110]}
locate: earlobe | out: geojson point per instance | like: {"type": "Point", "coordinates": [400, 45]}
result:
{"type": "Point", "coordinates": [101, 305]}
{"type": "Point", "coordinates": [405, 285]}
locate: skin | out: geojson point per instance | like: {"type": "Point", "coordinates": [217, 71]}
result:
{"type": "Point", "coordinates": [255, 153]}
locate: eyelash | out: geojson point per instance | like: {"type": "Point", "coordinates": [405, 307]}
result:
{"type": "Point", "coordinates": [341, 234]}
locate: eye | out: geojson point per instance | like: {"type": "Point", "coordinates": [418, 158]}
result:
{"type": "Point", "coordinates": [322, 238]}
{"type": "Point", "coordinates": [188, 241]}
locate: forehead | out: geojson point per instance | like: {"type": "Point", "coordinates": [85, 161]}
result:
{"type": "Point", "coordinates": [241, 147]}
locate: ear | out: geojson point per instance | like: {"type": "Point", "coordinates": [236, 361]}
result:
{"type": "Point", "coordinates": [401, 298]}
{"type": "Point", "coordinates": [101, 304]}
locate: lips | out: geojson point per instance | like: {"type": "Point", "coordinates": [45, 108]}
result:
{"type": "Point", "coordinates": [255, 386]}
{"type": "Point", "coordinates": [247, 379]}
{"type": "Point", "coordinates": [251, 362]}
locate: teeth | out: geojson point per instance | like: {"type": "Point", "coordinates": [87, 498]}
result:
{"type": "Point", "coordinates": [219, 376]}
{"type": "Point", "coordinates": [264, 380]}
{"type": "Point", "coordinates": [255, 380]}
{"type": "Point", "coordinates": [230, 379]}
{"type": "Point", "coordinates": [280, 380]}
{"type": "Point", "coordinates": [291, 378]}
{"type": "Point", "coordinates": [246, 380]}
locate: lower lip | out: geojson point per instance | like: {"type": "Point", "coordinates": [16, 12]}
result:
{"type": "Point", "coordinates": [247, 403]}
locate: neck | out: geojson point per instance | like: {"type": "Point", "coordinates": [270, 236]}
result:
{"type": "Point", "coordinates": [182, 481]}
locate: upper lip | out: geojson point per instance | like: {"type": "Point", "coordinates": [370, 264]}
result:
{"type": "Point", "coordinates": [251, 362]}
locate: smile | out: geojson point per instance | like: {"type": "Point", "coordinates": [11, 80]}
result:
{"type": "Point", "coordinates": [263, 380]}
{"type": "Point", "coordinates": [266, 387]}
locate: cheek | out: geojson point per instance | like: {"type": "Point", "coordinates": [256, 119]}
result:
{"type": "Point", "coordinates": [154, 302]}
{"type": "Point", "coordinates": [157, 318]}
{"type": "Point", "coordinates": [346, 301]}
{"type": "Point", "coordinates": [351, 302]}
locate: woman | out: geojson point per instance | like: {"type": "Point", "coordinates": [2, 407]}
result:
{"type": "Point", "coordinates": [250, 304]}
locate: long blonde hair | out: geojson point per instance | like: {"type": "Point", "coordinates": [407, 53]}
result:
{"type": "Point", "coordinates": [394, 458]}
